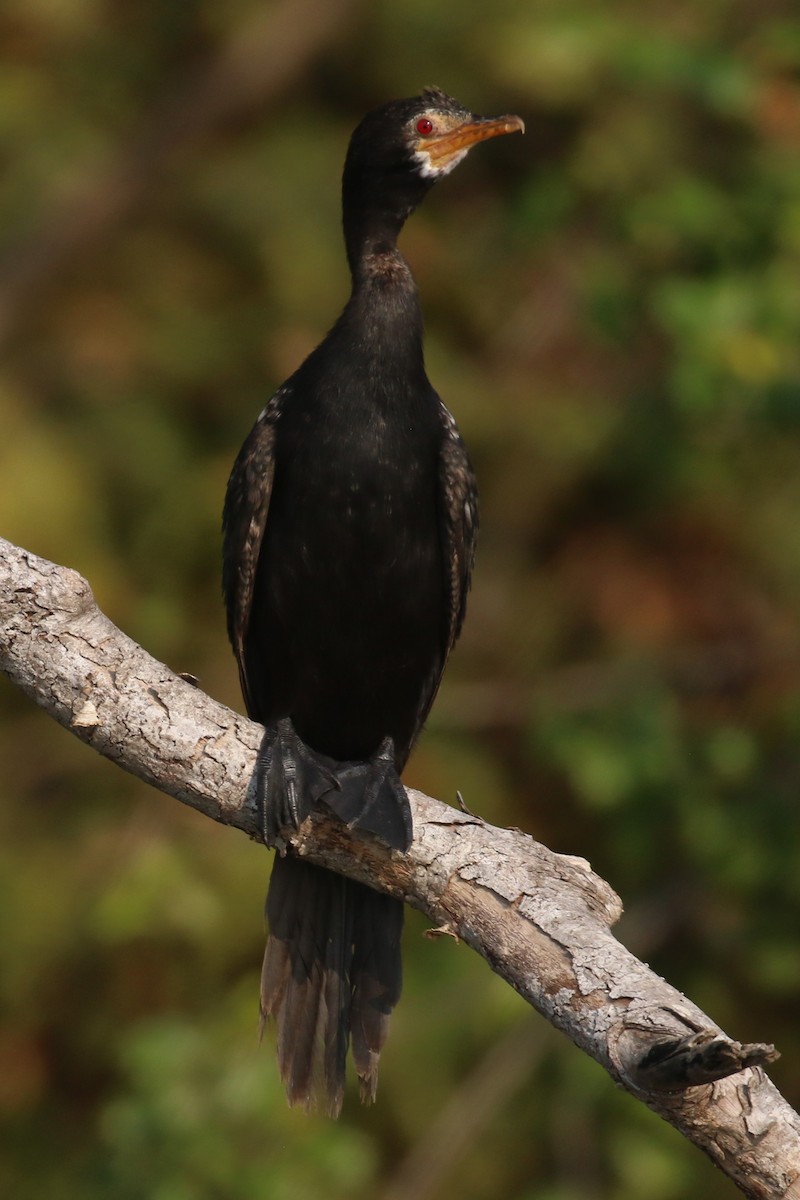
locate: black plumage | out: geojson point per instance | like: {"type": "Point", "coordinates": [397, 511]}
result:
{"type": "Point", "coordinates": [349, 533]}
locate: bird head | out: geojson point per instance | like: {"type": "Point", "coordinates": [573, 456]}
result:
{"type": "Point", "coordinates": [400, 149]}
{"type": "Point", "coordinates": [439, 132]}
{"type": "Point", "coordinates": [396, 154]}
{"type": "Point", "coordinates": [428, 134]}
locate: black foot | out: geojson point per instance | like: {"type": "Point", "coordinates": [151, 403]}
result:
{"type": "Point", "coordinates": [290, 779]}
{"type": "Point", "coordinates": [371, 797]}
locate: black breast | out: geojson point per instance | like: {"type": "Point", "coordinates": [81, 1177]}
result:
{"type": "Point", "coordinates": [350, 600]}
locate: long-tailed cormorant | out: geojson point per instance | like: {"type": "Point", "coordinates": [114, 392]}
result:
{"type": "Point", "coordinates": [349, 532]}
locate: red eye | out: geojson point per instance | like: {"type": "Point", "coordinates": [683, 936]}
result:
{"type": "Point", "coordinates": [424, 126]}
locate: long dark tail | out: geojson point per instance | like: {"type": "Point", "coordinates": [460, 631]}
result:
{"type": "Point", "coordinates": [332, 972]}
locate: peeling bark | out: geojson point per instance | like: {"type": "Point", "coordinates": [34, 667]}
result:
{"type": "Point", "coordinates": [541, 920]}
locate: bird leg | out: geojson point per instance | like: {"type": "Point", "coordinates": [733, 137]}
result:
{"type": "Point", "coordinates": [371, 797]}
{"type": "Point", "coordinates": [290, 779]}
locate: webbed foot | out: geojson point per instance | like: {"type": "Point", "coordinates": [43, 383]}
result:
{"type": "Point", "coordinates": [371, 797]}
{"type": "Point", "coordinates": [290, 779]}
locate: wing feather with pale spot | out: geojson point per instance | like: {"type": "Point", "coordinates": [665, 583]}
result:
{"type": "Point", "coordinates": [244, 520]}
{"type": "Point", "coordinates": [459, 494]}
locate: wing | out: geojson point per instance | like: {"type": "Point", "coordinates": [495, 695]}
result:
{"type": "Point", "coordinates": [244, 520]}
{"type": "Point", "coordinates": [459, 499]}
{"type": "Point", "coordinates": [458, 522]}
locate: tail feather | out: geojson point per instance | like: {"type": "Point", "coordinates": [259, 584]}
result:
{"type": "Point", "coordinates": [376, 982]}
{"type": "Point", "coordinates": [331, 967]}
{"type": "Point", "coordinates": [304, 980]}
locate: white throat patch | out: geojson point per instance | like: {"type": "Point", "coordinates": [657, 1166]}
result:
{"type": "Point", "coordinates": [427, 170]}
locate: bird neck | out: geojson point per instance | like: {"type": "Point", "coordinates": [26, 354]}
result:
{"type": "Point", "coordinates": [384, 295]}
{"type": "Point", "coordinates": [381, 268]}
{"type": "Point", "coordinates": [382, 316]}
{"type": "Point", "coordinates": [371, 242]}
{"type": "Point", "coordinates": [374, 210]}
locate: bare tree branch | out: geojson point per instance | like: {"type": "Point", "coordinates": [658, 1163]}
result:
{"type": "Point", "coordinates": [541, 920]}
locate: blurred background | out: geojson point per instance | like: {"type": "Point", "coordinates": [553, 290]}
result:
{"type": "Point", "coordinates": [613, 314]}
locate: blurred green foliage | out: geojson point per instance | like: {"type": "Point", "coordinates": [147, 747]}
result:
{"type": "Point", "coordinates": [613, 310]}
